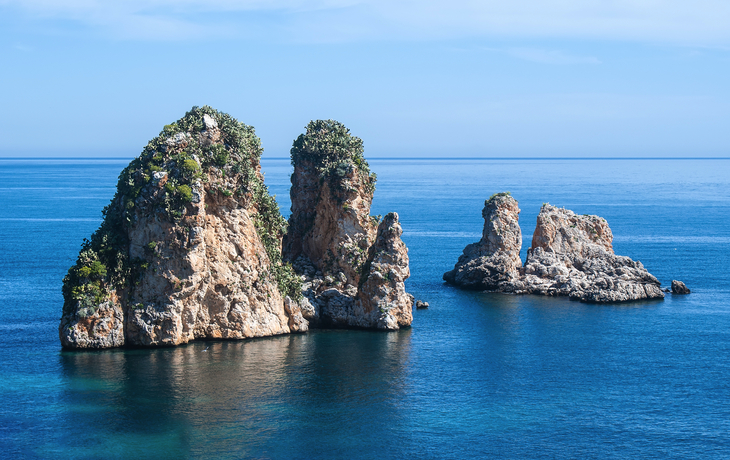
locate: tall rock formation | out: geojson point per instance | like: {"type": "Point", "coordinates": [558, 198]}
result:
{"type": "Point", "coordinates": [570, 255]}
{"type": "Point", "coordinates": [353, 265]}
{"type": "Point", "coordinates": [189, 247]}
{"type": "Point", "coordinates": [493, 262]}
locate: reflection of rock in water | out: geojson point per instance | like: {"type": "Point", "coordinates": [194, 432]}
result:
{"type": "Point", "coordinates": [237, 396]}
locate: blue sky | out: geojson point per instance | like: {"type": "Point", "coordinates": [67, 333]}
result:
{"type": "Point", "coordinates": [523, 78]}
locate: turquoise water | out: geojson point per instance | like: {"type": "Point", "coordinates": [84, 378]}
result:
{"type": "Point", "coordinates": [477, 376]}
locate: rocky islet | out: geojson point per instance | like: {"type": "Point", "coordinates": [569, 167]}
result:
{"type": "Point", "coordinates": [190, 247]}
{"type": "Point", "coordinates": [570, 255]}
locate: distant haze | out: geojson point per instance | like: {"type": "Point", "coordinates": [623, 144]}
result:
{"type": "Point", "coordinates": [524, 78]}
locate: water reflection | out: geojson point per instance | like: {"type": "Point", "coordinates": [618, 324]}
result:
{"type": "Point", "coordinates": [234, 399]}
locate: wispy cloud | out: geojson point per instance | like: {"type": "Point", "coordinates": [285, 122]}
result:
{"type": "Point", "coordinates": [702, 22]}
{"type": "Point", "coordinates": [548, 56]}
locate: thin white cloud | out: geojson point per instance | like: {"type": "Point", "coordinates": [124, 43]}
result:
{"type": "Point", "coordinates": [702, 22]}
{"type": "Point", "coordinates": [544, 56]}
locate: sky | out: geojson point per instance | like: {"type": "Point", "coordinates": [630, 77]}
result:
{"type": "Point", "coordinates": [463, 78]}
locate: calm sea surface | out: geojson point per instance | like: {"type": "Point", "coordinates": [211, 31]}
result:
{"type": "Point", "coordinates": [477, 376]}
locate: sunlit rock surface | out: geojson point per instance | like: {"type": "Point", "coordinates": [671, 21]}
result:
{"type": "Point", "coordinates": [353, 265]}
{"type": "Point", "coordinates": [570, 255]}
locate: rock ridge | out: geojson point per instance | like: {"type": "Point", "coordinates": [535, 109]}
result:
{"type": "Point", "coordinates": [570, 255]}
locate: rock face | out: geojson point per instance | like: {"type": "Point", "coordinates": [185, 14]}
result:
{"type": "Point", "coordinates": [573, 255]}
{"type": "Point", "coordinates": [353, 266]}
{"type": "Point", "coordinates": [679, 287]}
{"type": "Point", "coordinates": [570, 255]}
{"type": "Point", "coordinates": [492, 263]}
{"type": "Point", "coordinates": [189, 247]}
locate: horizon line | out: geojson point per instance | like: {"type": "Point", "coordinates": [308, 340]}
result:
{"type": "Point", "coordinates": [405, 158]}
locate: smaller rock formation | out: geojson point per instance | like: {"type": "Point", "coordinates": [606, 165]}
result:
{"type": "Point", "coordinates": [573, 255]}
{"type": "Point", "coordinates": [570, 255]}
{"type": "Point", "coordinates": [679, 287]}
{"type": "Point", "coordinates": [353, 266]}
{"type": "Point", "coordinates": [492, 263]}
{"type": "Point", "coordinates": [420, 305]}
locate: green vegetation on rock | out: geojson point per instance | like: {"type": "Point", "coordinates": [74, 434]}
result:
{"type": "Point", "coordinates": [333, 151]}
{"type": "Point", "coordinates": [497, 195]}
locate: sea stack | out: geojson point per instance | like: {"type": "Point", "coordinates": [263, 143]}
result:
{"type": "Point", "coordinates": [353, 264]}
{"type": "Point", "coordinates": [570, 255]}
{"type": "Point", "coordinates": [492, 263]}
{"type": "Point", "coordinates": [189, 248]}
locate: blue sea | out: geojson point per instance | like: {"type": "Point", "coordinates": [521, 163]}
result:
{"type": "Point", "coordinates": [478, 375]}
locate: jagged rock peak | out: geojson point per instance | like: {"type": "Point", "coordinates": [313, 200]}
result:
{"type": "Point", "coordinates": [189, 246]}
{"type": "Point", "coordinates": [572, 255]}
{"type": "Point", "coordinates": [353, 265]}
{"type": "Point", "coordinates": [382, 292]}
{"type": "Point", "coordinates": [494, 261]}
{"type": "Point", "coordinates": [560, 230]}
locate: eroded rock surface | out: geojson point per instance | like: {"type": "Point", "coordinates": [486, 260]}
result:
{"type": "Point", "coordinates": [189, 247]}
{"type": "Point", "coordinates": [493, 262]}
{"type": "Point", "coordinates": [570, 255]}
{"type": "Point", "coordinates": [353, 266]}
{"type": "Point", "coordinates": [573, 255]}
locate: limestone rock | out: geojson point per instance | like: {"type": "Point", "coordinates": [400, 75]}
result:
{"type": "Point", "coordinates": [331, 193]}
{"type": "Point", "coordinates": [494, 261]}
{"type": "Point", "coordinates": [103, 329]}
{"type": "Point", "coordinates": [679, 287]}
{"type": "Point", "coordinates": [353, 268]}
{"type": "Point", "coordinates": [189, 247]}
{"type": "Point", "coordinates": [382, 295]}
{"type": "Point", "coordinates": [420, 305]}
{"type": "Point", "coordinates": [571, 255]}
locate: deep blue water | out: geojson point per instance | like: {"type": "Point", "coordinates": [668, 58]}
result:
{"type": "Point", "coordinates": [477, 376]}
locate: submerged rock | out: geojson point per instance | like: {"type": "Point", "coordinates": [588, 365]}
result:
{"type": "Point", "coordinates": [189, 247]}
{"type": "Point", "coordinates": [570, 255]}
{"type": "Point", "coordinates": [352, 265]}
{"type": "Point", "coordinates": [679, 287]}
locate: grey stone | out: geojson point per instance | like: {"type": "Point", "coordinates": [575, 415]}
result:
{"type": "Point", "coordinates": [679, 287]}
